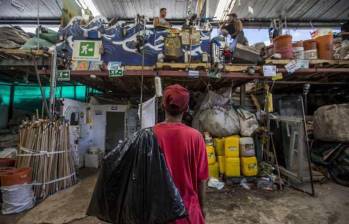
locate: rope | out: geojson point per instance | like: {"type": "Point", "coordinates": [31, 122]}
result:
{"type": "Point", "coordinates": [55, 180]}
{"type": "Point", "coordinates": [30, 152]}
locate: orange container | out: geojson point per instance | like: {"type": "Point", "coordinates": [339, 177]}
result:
{"type": "Point", "coordinates": [283, 45]}
{"type": "Point", "coordinates": [16, 176]}
{"type": "Point", "coordinates": [325, 46]}
{"type": "Point", "coordinates": [6, 162]}
{"type": "Point", "coordinates": [5, 171]}
{"type": "Point", "coordinates": [297, 44]}
{"type": "Point", "coordinates": [309, 45]}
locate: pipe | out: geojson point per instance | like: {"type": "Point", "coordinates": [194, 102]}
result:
{"type": "Point", "coordinates": [53, 82]}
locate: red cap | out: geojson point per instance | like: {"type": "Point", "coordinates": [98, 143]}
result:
{"type": "Point", "coordinates": [176, 99]}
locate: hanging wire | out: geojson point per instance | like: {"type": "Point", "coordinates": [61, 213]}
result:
{"type": "Point", "coordinates": [142, 76]}
{"type": "Point", "coordinates": [38, 23]}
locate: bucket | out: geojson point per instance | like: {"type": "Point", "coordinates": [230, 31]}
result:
{"type": "Point", "coordinates": [310, 54]}
{"type": "Point", "coordinates": [297, 44]}
{"type": "Point", "coordinates": [249, 166]}
{"type": "Point", "coordinates": [325, 46]}
{"type": "Point", "coordinates": [283, 45]}
{"type": "Point", "coordinates": [16, 176]}
{"type": "Point", "coordinates": [309, 45]}
{"type": "Point", "coordinates": [219, 146]}
{"type": "Point", "coordinates": [232, 167]}
{"type": "Point", "coordinates": [5, 171]}
{"type": "Point", "coordinates": [6, 162]}
{"type": "Point", "coordinates": [211, 157]}
{"type": "Point", "coordinates": [298, 52]}
{"type": "Point", "coordinates": [231, 146]}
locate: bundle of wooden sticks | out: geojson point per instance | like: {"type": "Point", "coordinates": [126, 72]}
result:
{"type": "Point", "coordinates": [44, 146]}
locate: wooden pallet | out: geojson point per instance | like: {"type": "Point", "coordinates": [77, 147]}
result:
{"type": "Point", "coordinates": [182, 66]}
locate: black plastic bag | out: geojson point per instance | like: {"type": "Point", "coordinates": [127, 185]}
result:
{"type": "Point", "coordinates": [135, 186]}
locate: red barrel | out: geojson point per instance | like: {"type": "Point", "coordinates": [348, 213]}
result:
{"type": "Point", "coordinates": [283, 45]}
{"type": "Point", "coordinates": [16, 176]}
{"type": "Point", "coordinates": [6, 162]}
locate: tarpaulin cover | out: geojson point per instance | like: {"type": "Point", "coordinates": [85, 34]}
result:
{"type": "Point", "coordinates": [331, 123]}
{"type": "Point", "coordinates": [134, 185]}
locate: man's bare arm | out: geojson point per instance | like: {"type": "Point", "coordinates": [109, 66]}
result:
{"type": "Point", "coordinates": [156, 21]}
{"type": "Point", "coordinates": [202, 195]}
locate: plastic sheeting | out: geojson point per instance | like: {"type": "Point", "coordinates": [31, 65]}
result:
{"type": "Point", "coordinates": [331, 123]}
{"type": "Point", "coordinates": [148, 113]}
{"type": "Point", "coordinates": [134, 185]}
{"type": "Point", "coordinates": [216, 115]}
{"type": "Point", "coordinates": [219, 122]}
{"type": "Point", "coordinates": [17, 198]}
{"type": "Point", "coordinates": [248, 122]}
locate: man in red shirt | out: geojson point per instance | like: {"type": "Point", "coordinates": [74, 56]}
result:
{"type": "Point", "coordinates": [185, 153]}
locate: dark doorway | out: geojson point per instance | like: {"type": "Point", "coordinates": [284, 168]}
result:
{"type": "Point", "coordinates": [115, 129]}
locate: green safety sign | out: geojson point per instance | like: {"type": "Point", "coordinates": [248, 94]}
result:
{"type": "Point", "coordinates": [87, 49]}
{"type": "Point", "coordinates": [116, 73]}
{"type": "Point", "coordinates": [115, 69]}
{"type": "Point", "coordinates": [63, 75]}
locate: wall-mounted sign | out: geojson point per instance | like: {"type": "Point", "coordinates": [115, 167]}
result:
{"type": "Point", "coordinates": [87, 50]}
{"type": "Point", "coordinates": [269, 70]}
{"type": "Point", "coordinates": [193, 73]}
{"type": "Point", "coordinates": [115, 69]}
{"type": "Point", "coordinates": [294, 65]}
{"type": "Point", "coordinates": [63, 75]}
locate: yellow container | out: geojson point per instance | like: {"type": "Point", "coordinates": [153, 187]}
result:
{"type": "Point", "coordinates": [231, 146]}
{"type": "Point", "coordinates": [249, 166]}
{"type": "Point", "coordinates": [211, 157]}
{"type": "Point", "coordinates": [221, 164]}
{"type": "Point", "coordinates": [219, 146]}
{"type": "Point", "coordinates": [213, 170]}
{"type": "Point", "coordinates": [232, 167]}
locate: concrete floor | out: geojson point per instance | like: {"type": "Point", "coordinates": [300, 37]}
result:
{"type": "Point", "coordinates": [231, 205]}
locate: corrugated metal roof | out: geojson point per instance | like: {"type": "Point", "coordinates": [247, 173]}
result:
{"type": "Point", "coordinates": [176, 9]}
{"type": "Point", "coordinates": [302, 10]}
{"type": "Point", "coordinates": [28, 8]}
{"type": "Point", "coordinates": [293, 9]}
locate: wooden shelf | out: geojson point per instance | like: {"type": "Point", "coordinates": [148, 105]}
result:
{"type": "Point", "coordinates": [311, 62]}
{"type": "Point", "coordinates": [182, 66]}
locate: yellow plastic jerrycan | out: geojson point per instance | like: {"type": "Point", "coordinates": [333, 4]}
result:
{"type": "Point", "coordinates": [213, 170]}
{"type": "Point", "coordinates": [249, 166]}
{"type": "Point", "coordinates": [221, 164]}
{"type": "Point", "coordinates": [232, 167]}
{"type": "Point", "coordinates": [211, 157]}
{"type": "Point", "coordinates": [231, 146]}
{"type": "Point", "coordinates": [219, 146]}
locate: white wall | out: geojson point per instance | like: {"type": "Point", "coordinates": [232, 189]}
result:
{"type": "Point", "coordinates": [99, 114]}
{"type": "Point", "coordinates": [93, 134]}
